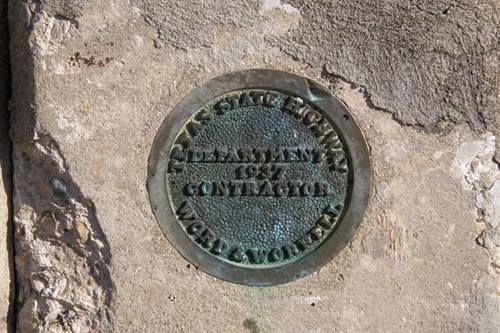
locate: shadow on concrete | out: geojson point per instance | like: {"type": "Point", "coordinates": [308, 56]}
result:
{"type": "Point", "coordinates": [5, 157]}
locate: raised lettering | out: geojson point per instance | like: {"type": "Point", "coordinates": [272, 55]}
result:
{"type": "Point", "coordinates": [270, 99]}
{"type": "Point", "coordinates": [221, 247]}
{"type": "Point", "coordinates": [277, 254]}
{"type": "Point", "coordinates": [257, 256]}
{"type": "Point", "coordinates": [293, 104]}
{"type": "Point", "coordinates": [207, 238]}
{"type": "Point", "coordinates": [238, 255]}
{"type": "Point", "coordinates": [186, 211]}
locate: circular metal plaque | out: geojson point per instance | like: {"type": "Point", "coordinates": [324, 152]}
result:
{"type": "Point", "coordinates": [259, 177]}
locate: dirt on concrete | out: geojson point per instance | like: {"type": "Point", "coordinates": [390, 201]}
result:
{"type": "Point", "coordinates": [91, 257]}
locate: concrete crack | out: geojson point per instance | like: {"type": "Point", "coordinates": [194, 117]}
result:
{"type": "Point", "coordinates": [335, 78]}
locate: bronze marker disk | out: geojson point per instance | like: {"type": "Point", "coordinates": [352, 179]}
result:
{"type": "Point", "coordinates": [259, 177]}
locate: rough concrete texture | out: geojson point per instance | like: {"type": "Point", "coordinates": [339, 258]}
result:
{"type": "Point", "coordinates": [6, 264]}
{"type": "Point", "coordinates": [427, 62]}
{"type": "Point", "coordinates": [61, 253]}
{"type": "Point", "coordinates": [92, 83]}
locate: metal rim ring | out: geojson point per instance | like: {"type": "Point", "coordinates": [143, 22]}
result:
{"type": "Point", "coordinates": [273, 80]}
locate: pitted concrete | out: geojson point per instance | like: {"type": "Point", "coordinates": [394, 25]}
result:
{"type": "Point", "coordinates": [428, 63]}
{"type": "Point", "coordinates": [93, 82]}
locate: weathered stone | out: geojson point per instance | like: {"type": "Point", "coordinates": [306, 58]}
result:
{"type": "Point", "coordinates": [82, 230]}
{"type": "Point", "coordinates": [427, 62]}
{"type": "Point", "coordinates": [176, 27]}
{"type": "Point", "coordinates": [92, 84]}
{"type": "Point", "coordinates": [64, 283]}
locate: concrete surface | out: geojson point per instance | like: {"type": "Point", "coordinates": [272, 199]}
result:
{"type": "Point", "coordinates": [6, 246]}
{"type": "Point", "coordinates": [92, 82]}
